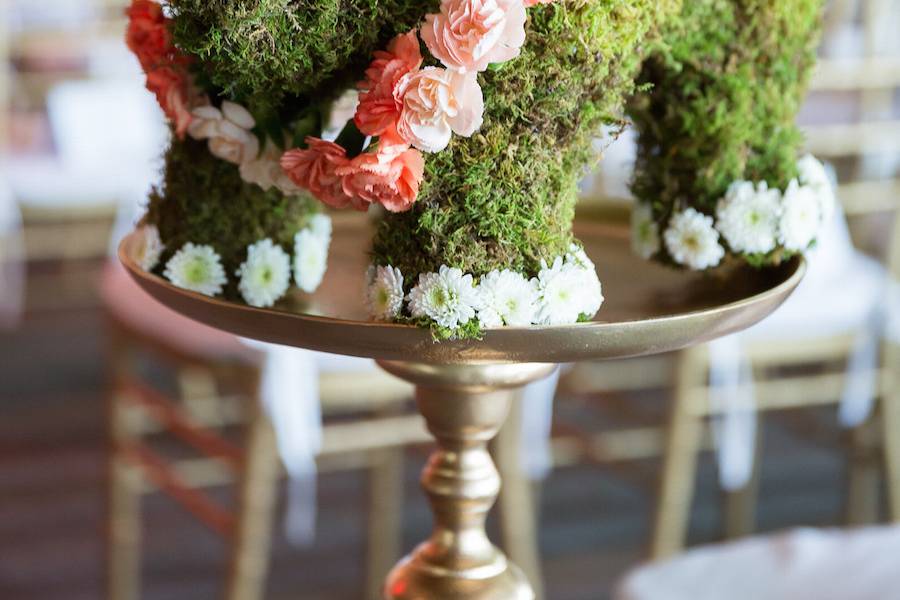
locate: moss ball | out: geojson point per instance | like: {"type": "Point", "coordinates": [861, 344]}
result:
{"type": "Point", "coordinates": [505, 197]}
{"type": "Point", "coordinates": [261, 52]}
{"type": "Point", "coordinates": [721, 94]}
{"type": "Point", "coordinates": [204, 200]}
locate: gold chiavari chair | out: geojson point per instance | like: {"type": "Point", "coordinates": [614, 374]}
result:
{"type": "Point", "coordinates": [217, 391]}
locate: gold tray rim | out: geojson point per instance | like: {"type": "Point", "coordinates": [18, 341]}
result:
{"type": "Point", "coordinates": [595, 340]}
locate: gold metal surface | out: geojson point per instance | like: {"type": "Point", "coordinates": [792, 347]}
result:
{"type": "Point", "coordinates": [649, 308]}
{"type": "Point", "coordinates": [464, 406]}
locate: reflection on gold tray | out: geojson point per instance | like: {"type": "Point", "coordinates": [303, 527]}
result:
{"type": "Point", "coordinates": [649, 308]}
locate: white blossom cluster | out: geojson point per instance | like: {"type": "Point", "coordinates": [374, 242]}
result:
{"type": "Point", "coordinates": [751, 219]}
{"type": "Point", "coordinates": [263, 278]}
{"type": "Point", "coordinates": [562, 293]}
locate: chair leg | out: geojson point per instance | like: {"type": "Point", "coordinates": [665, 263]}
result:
{"type": "Point", "coordinates": [123, 556]}
{"type": "Point", "coordinates": [518, 512]}
{"type": "Point", "coordinates": [740, 505]}
{"type": "Point", "coordinates": [256, 509]}
{"type": "Point", "coordinates": [890, 411]}
{"type": "Point", "coordinates": [385, 539]}
{"type": "Point", "coordinates": [124, 526]}
{"type": "Point", "coordinates": [200, 395]}
{"type": "Point", "coordinates": [685, 429]}
{"type": "Point", "coordinates": [863, 476]}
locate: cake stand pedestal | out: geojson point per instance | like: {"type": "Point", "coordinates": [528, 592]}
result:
{"type": "Point", "coordinates": [464, 388]}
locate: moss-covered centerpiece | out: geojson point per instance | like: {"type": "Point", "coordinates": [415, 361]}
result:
{"type": "Point", "coordinates": [473, 130]}
{"type": "Point", "coordinates": [240, 82]}
{"type": "Point", "coordinates": [718, 170]}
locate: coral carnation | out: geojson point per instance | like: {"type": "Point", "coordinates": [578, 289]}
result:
{"type": "Point", "coordinates": [314, 169]}
{"type": "Point", "coordinates": [147, 34]}
{"type": "Point", "coordinates": [378, 111]}
{"type": "Point", "coordinates": [389, 177]}
{"type": "Point", "coordinates": [173, 92]}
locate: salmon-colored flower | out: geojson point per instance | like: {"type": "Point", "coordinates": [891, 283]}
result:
{"type": "Point", "coordinates": [147, 34]}
{"type": "Point", "coordinates": [175, 95]}
{"type": "Point", "coordinates": [389, 177]}
{"type": "Point", "coordinates": [314, 169]}
{"type": "Point", "coordinates": [378, 111]}
{"type": "Point", "coordinates": [469, 35]}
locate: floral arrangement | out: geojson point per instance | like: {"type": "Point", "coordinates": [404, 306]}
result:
{"type": "Point", "coordinates": [751, 220]}
{"type": "Point", "coordinates": [562, 293]}
{"type": "Point", "coordinates": [259, 270]}
{"type": "Point", "coordinates": [406, 109]}
{"type": "Point", "coordinates": [262, 279]}
{"type": "Point", "coordinates": [718, 172]}
{"type": "Point", "coordinates": [445, 88]}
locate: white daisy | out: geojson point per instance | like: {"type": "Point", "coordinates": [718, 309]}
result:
{"type": "Point", "coordinates": [266, 274]}
{"type": "Point", "coordinates": [692, 240]}
{"type": "Point", "coordinates": [507, 298]}
{"type": "Point", "coordinates": [449, 297]}
{"type": "Point", "coordinates": [198, 269]}
{"type": "Point", "coordinates": [147, 254]}
{"type": "Point", "coordinates": [800, 217]}
{"type": "Point", "coordinates": [310, 260]}
{"type": "Point", "coordinates": [560, 289]}
{"type": "Point", "coordinates": [320, 224]}
{"type": "Point", "coordinates": [748, 218]}
{"type": "Point", "coordinates": [644, 231]}
{"type": "Point", "coordinates": [814, 174]}
{"type": "Point", "coordinates": [384, 296]}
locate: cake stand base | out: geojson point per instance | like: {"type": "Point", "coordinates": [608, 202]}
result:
{"type": "Point", "coordinates": [464, 406]}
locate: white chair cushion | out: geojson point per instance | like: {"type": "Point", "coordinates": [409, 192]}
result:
{"type": "Point", "coordinates": [804, 564]}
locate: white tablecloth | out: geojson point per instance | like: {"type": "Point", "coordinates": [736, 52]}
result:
{"type": "Point", "coordinates": [805, 564]}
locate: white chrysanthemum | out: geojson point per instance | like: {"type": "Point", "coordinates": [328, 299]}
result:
{"type": "Point", "coordinates": [507, 298]}
{"type": "Point", "coordinates": [150, 247]}
{"type": "Point", "coordinates": [320, 225]}
{"type": "Point", "coordinates": [266, 274]}
{"type": "Point", "coordinates": [800, 217]}
{"type": "Point", "coordinates": [561, 293]}
{"type": "Point", "coordinates": [747, 217]}
{"type": "Point", "coordinates": [692, 240]}
{"type": "Point", "coordinates": [449, 297]}
{"type": "Point", "coordinates": [198, 269]}
{"type": "Point", "coordinates": [644, 231]}
{"type": "Point", "coordinates": [310, 259]}
{"type": "Point", "coordinates": [578, 256]}
{"type": "Point", "coordinates": [384, 296]}
{"type": "Point", "coordinates": [814, 174]}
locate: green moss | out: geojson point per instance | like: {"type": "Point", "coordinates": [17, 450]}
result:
{"type": "Point", "coordinates": [722, 92]}
{"type": "Point", "coordinates": [205, 201]}
{"type": "Point", "coordinates": [263, 52]}
{"type": "Point", "coordinates": [505, 197]}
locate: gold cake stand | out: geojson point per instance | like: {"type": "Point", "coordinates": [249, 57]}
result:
{"type": "Point", "coordinates": [464, 388]}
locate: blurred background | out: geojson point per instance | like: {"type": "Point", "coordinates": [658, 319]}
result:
{"type": "Point", "coordinates": [789, 425]}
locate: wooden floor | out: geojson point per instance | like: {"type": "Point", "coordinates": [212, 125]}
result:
{"type": "Point", "coordinates": [594, 521]}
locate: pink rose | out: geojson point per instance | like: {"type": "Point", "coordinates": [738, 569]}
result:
{"type": "Point", "coordinates": [378, 111]}
{"type": "Point", "coordinates": [388, 177]}
{"type": "Point", "coordinates": [469, 35]}
{"type": "Point", "coordinates": [314, 169]}
{"type": "Point", "coordinates": [174, 93]}
{"type": "Point", "coordinates": [435, 103]}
